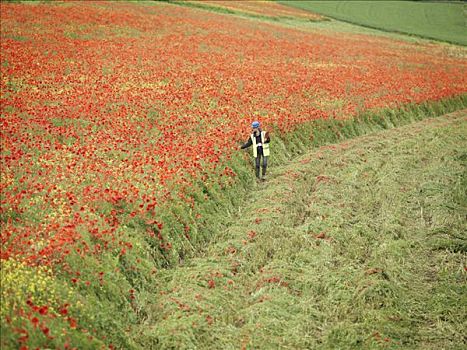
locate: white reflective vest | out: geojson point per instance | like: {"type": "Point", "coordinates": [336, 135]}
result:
{"type": "Point", "coordinates": [255, 145]}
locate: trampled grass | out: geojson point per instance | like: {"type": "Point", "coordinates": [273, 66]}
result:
{"type": "Point", "coordinates": [355, 245]}
{"type": "Point", "coordinates": [442, 21]}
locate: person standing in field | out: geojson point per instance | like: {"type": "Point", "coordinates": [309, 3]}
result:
{"type": "Point", "coordinates": [259, 139]}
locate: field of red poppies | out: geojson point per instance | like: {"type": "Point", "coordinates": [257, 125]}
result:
{"type": "Point", "coordinates": [113, 112]}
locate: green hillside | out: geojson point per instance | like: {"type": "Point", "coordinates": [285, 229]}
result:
{"type": "Point", "coordinates": [444, 21]}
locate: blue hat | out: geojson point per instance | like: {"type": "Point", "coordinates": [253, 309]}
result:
{"type": "Point", "coordinates": [255, 125]}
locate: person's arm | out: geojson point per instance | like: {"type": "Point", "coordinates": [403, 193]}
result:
{"type": "Point", "coordinates": [247, 144]}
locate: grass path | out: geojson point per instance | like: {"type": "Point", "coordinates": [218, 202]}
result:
{"type": "Point", "coordinates": [354, 245]}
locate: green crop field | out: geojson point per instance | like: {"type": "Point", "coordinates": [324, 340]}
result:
{"type": "Point", "coordinates": [444, 21]}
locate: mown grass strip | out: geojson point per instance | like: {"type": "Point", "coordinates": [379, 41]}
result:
{"type": "Point", "coordinates": [339, 250]}
{"type": "Point", "coordinates": [286, 146]}
{"type": "Point", "coordinates": [442, 21]}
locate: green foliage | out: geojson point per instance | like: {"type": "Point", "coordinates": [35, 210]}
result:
{"type": "Point", "coordinates": [442, 21]}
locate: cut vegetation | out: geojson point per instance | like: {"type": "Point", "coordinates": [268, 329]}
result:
{"type": "Point", "coordinates": [357, 244]}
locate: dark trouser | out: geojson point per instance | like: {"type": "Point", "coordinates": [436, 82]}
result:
{"type": "Point", "coordinates": [258, 163]}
